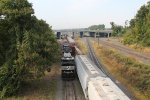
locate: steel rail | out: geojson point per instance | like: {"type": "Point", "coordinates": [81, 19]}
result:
{"type": "Point", "coordinates": [70, 90]}
{"type": "Point", "coordinates": [104, 70]}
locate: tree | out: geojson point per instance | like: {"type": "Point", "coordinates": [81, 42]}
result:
{"type": "Point", "coordinates": [139, 28]}
{"type": "Point", "coordinates": [117, 29]}
{"type": "Point", "coordinates": [97, 27]}
{"type": "Point", "coordinates": [132, 23]}
{"type": "Point", "coordinates": [27, 45]}
{"type": "Point", "coordinates": [16, 14]}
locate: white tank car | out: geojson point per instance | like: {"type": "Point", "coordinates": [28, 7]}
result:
{"type": "Point", "coordinates": [86, 70]}
{"type": "Point", "coordinates": [95, 84]}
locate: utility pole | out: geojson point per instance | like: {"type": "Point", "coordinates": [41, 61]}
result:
{"type": "Point", "coordinates": [98, 38]}
{"type": "Point", "coordinates": [95, 37]}
{"type": "Point", "coordinates": [108, 36]}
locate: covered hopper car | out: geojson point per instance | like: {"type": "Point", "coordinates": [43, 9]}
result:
{"type": "Point", "coordinates": [95, 84]}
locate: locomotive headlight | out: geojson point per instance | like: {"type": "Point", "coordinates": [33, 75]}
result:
{"type": "Point", "coordinates": [68, 67]}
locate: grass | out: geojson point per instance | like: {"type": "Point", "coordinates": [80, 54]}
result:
{"type": "Point", "coordinates": [140, 48]}
{"type": "Point", "coordinates": [132, 74]}
{"type": "Point", "coordinates": [39, 89]}
{"type": "Point", "coordinates": [81, 45]}
{"type": "Point", "coordinates": [136, 47]}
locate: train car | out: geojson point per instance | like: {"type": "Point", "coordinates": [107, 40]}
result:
{"type": "Point", "coordinates": [103, 88]}
{"type": "Point", "coordinates": [77, 51]}
{"type": "Point", "coordinates": [73, 50]}
{"type": "Point", "coordinates": [68, 70]}
{"type": "Point", "coordinates": [71, 43]}
{"type": "Point", "coordinates": [95, 84]}
{"type": "Point", "coordinates": [86, 70]}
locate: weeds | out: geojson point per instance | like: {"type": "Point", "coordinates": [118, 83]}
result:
{"type": "Point", "coordinates": [81, 45]}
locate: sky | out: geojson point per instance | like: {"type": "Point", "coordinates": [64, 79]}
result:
{"type": "Point", "coordinates": [69, 14]}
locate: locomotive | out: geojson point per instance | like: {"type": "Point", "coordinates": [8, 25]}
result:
{"type": "Point", "coordinates": [66, 48]}
{"type": "Point", "coordinates": [67, 66]}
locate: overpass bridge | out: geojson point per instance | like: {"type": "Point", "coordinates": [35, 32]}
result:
{"type": "Point", "coordinates": [86, 32]}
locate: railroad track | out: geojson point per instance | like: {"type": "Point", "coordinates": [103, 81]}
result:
{"type": "Point", "coordinates": [94, 58]}
{"type": "Point", "coordinates": [130, 52]}
{"type": "Point", "coordinates": [70, 90]}
{"type": "Point", "coordinates": [104, 70]}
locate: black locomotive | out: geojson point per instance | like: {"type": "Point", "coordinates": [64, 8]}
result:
{"type": "Point", "coordinates": [68, 66]}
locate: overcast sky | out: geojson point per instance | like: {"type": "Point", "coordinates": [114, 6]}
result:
{"type": "Point", "coordinates": [64, 14]}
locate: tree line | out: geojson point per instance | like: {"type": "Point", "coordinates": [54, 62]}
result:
{"type": "Point", "coordinates": [138, 31]}
{"type": "Point", "coordinates": [27, 46]}
{"type": "Point", "coordinates": [97, 27]}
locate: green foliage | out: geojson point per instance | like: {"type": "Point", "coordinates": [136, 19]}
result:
{"type": "Point", "coordinates": [10, 79]}
{"type": "Point", "coordinates": [128, 39]}
{"type": "Point", "coordinates": [97, 27]}
{"type": "Point", "coordinates": [117, 29]}
{"type": "Point", "coordinates": [139, 29]}
{"type": "Point", "coordinates": [27, 46]}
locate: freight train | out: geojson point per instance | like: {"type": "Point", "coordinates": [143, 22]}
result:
{"type": "Point", "coordinates": [95, 84]}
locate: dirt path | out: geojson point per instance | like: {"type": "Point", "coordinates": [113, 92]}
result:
{"type": "Point", "coordinates": [115, 44]}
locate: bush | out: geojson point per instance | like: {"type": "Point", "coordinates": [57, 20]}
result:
{"type": "Point", "coordinates": [10, 79]}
